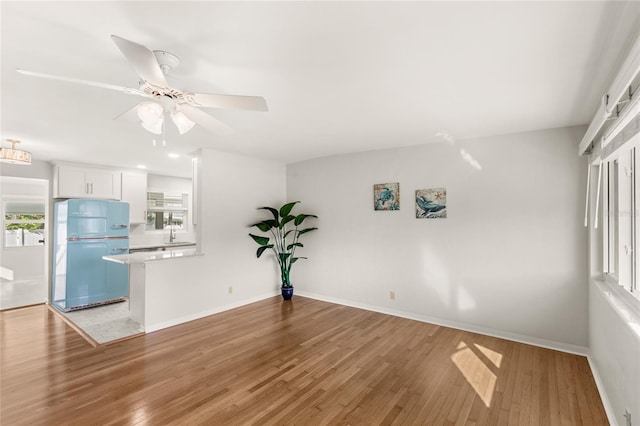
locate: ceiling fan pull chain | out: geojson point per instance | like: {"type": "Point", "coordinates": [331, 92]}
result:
{"type": "Point", "coordinates": [164, 141]}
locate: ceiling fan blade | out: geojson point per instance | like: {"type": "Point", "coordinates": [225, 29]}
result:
{"type": "Point", "coordinates": [143, 61]}
{"type": "Point", "coordinates": [128, 90]}
{"type": "Point", "coordinates": [130, 115]}
{"type": "Point", "coordinates": [203, 119]}
{"type": "Point", "coordinates": [253, 103]}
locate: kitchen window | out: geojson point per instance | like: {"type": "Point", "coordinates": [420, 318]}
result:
{"type": "Point", "coordinates": [23, 223]}
{"type": "Point", "coordinates": [167, 210]}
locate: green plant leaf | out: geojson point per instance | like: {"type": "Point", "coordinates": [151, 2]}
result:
{"type": "Point", "coordinates": [271, 223]}
{"type": "Point", "coordinates": [286, 209]}
{"type": "Point", "coordinates": [273, 211]}
{"type": "Point", "coordinates": [290, 246]}
{"type": "Point", "coordinates": [260, 240]}
{"type": "Point", "coordinates": [286, 220]}
{"type": "Point", "coordinates": [286, 234]}
{"type": "Point", "coordinates": [264, 225]}
{"type": "Point", "coordinates": [304, 231]}
{"type": "Point", "coordinates": [301, 217]}
{"type": "Point", "coordinates": [262, 249]}
{"type": "Point", "coordinates": [294, 259]}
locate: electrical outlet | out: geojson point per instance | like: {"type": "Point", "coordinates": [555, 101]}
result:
{"type": "Point", "coordinates": [230, 290]}
{"type": "Point", "coordinates": [627, 415]}
{"type": "Point", "coordinates": [392, 295]}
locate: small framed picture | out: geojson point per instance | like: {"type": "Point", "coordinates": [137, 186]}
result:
{"type": "Point", "coordinates": [386, 196]}
{"type": "Point", "coordinates": [431, 203]}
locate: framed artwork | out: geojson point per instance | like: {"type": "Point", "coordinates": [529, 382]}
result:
{"type": "Point", "coordinates": [386, 196]}
{"type": "Point", "coordinates": [431, 203]}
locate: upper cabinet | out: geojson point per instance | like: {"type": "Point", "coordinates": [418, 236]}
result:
{"type": "Point", "coordinates": [86, 182]}
{"type": "Point", "coordinates": [134, 192]}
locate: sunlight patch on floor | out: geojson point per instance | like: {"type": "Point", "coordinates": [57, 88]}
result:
{"type": "Point", "coordinates": [476, 372]}
{"type": "Point", "coordinates": [494, 357]}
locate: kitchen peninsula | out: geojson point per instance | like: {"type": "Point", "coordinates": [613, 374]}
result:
{"type": "Point", "coordinates": [150, 299]}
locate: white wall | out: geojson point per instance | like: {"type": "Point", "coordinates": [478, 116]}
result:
{"type": "Point", "coordinates": [614, 338]}
{"type": "Point", "coordinates": [511, 257]}
{"type": "Point", "coordinates": [37, 170]}
{"type": "Point", "coordinates": [230, 188]}
{"type": "Point", "coordinates": [163, 183]}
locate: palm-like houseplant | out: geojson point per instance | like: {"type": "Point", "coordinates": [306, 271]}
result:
{"type": "Point", "coordinates": [285, 229]}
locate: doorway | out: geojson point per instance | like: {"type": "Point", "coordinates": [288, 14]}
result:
{"type": "Point", "coordinates": [23, 242]}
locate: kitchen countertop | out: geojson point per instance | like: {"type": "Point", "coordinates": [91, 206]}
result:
{"type": "Point", "coordinates": [152, 256]}
{"type": "Point", "coordinates": [161, 246]}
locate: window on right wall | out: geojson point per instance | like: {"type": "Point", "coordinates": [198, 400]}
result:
{"type": "Point", "coordinates": [621, 224]}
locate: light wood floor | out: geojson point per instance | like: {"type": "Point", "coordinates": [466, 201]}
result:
{"type": "Point", "coordinates": [273, 362]}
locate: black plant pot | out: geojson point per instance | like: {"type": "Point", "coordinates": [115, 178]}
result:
{"type": "Point", "coordinates": [287, 292]}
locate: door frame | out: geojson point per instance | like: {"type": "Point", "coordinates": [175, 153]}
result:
{"type": "Point", "coordinates": [45, 196]}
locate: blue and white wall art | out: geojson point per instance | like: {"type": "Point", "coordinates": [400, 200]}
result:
{"type": "Point", "coordinates": [431, 203]}
{"type": "Point", "coordinates": [386, 196]}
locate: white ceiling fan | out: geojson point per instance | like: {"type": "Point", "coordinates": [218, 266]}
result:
{"type": "Point", "coordinates": [164, 100]}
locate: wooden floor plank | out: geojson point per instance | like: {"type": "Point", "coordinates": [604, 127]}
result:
{"type": "Point", "coordinates": [298, 362]}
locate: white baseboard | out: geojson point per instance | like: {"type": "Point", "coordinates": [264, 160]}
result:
{"type": "Point", "coordinates": [202, 314]}
{"type": "Point", "coordinates": [521, 338]}
{"type": "Point", "coordinates": [608, 408]}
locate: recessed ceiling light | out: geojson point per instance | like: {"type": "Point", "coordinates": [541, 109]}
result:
{"type": "Point", "coordinates": [172, 155]}
{"type": "Point", "coordinates": [141, 166]}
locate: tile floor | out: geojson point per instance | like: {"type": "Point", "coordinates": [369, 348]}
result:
{"type": "Point", "coordinates": [106, 323]}
{"type": "Point", "coordinates": [14, 294]}
{"type": "Point", "coordinates": [103, 323]}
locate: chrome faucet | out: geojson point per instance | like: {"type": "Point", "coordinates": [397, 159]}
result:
{"type": "Point", "coordinates": [172, 234]}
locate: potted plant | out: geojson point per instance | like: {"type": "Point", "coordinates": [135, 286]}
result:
{"type": "Point", "coordinates": [285, 230]}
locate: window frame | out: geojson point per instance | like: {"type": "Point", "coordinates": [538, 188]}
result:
{"type": "Point", "coordinates": [5, 221]}
{"type": "Point", "coordinates": [183, 209]}
{"type": "Point", "coordinates": [620, 217]}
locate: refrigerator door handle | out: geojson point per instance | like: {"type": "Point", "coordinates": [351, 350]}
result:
{"type": "Point", "coordinates": [119, 226]}
{"type": "Point", "coordinates": [120, 250]}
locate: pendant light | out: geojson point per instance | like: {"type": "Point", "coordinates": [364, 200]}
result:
{"type": "Point", "coordinates": [13, 155]}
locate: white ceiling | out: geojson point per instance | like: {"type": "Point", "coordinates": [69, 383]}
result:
{"type": "Point", "coordinates": [338, 77]}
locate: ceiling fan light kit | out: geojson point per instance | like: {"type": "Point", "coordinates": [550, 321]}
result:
{"type": "Point", "coordinates": [13, 155]}
{"type": "Point", "coordinates": [182, 122]}
{"type": "Point", "coordinates": [150, 115]}
{"type": "Point", "coordinates": [184, 107]}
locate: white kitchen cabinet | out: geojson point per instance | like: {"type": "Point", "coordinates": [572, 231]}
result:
{"type": "Point", "coordinates": [134, 192]}
{"type": "Point", "coordinates": [86, 182]}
